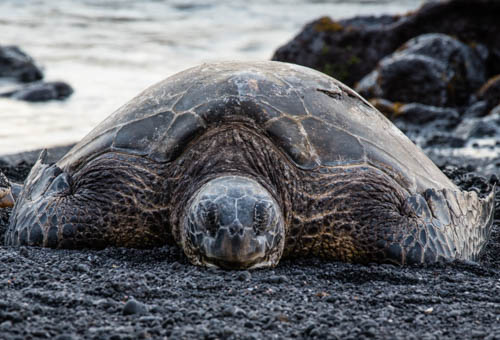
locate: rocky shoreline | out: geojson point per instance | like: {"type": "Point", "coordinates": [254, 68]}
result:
{"type": "Point", "coordinates": [349, 49]}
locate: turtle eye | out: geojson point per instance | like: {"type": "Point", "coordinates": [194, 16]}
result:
{"type": "Point", "coordinates": [262, 216]}
{"type": "Point", "coordinates": [209, 215]}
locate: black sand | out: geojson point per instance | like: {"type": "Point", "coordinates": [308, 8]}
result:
{"type": "Point", "coordinates": [157, 294]}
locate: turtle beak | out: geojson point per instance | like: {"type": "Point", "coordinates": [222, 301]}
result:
{"type": "Point", "coordinates": [6, 199]}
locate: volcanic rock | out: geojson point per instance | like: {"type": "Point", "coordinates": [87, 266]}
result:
{"type": "Point", "coordinates": [41, 92]}
{"type": "Point", "coordinates": [349, 49]}
{"type": "Point", "coordinates": [16, 64]}
{"type": "Point", "coordinates": [432, 69]}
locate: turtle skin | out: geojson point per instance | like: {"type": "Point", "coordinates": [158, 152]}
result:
{"type": "Point", "coordinates": [349, 184]}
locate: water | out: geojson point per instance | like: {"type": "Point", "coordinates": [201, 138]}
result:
{"type": "Point", "coordinates": [110, 50]}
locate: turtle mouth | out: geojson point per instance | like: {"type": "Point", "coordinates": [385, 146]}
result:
{"type": "Point", "coordinates": [233, 222]}
{"type": "Point", "coordinates": [244, 250]}
{"type": "Point", "coordinates": [6, 198]}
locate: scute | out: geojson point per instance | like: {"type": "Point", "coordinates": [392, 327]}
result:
{"type": "Point", "coordinates": [381, 159]}
{"type": "Point", "coordinates": [200, 93]}
{"type": "Point", "coordinates": [333, 145]}
{"type": "Point", "coordinates": [141, 134]}
{"type": "Point", "coordinates": [288, 135]}
{"type": "Point", "coordinates": [223, 110]}
{"type": "Point", "coordinates": [183, 129]}
{"type": "Point", "coordinates": [315, 120]}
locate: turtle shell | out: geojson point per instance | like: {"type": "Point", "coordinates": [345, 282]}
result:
{"type": "Point", "coordinates": [314, 119]}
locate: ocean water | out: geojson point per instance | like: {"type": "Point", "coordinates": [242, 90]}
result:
{"type": "Point", "coordinates": [110, 50]}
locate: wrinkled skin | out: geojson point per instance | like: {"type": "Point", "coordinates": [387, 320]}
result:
{"type": "Point", "coordinates": [242, 164]}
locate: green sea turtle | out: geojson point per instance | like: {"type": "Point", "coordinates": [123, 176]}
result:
{"type": "Point", "coordinates": [242, 164]}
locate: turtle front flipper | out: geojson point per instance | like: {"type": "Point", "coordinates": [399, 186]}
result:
{"type": "Point", "coordinates": [102, 204]}
{"type": "Point", "coordinates": [449, 225]}
{"type": "Point", "coordinates": [30, 222]}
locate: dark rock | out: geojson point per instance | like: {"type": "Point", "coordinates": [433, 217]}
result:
{"type": "Point", "coordinates": [5, 325]}
{"type": "Point", "coordinates": [134, 307]}
{"type": "Point", "coordinates": [445, 140]}
{"type": "Point", "coordinates": [421, 114]}
{"type": "Point", "coordinates": [40, 92]}
{"type": "Point", "coordinates": [16, 173]}
{"type": "Point", "coordinates": [82, 268]}
{"type": "Point", "coordinates": [244, 275]}
{"type": "Point", "coordinates": [495, 110]}
{"type": "Point", "coordinates": [24, 252]}
{"type": "Point", "coordinates": [17, 65]}
{"type": "Point", "coordinates": [65, 337]}
{"type": "Point", "coordinates": [233, 311]}
{"type": "Point", "coordinates": [484, 127]}
{"type": "Point", "coordinates": [427, 126]}
{"type": "Point", "coordinates": [478, 109]}
{"type": "Point", "coordinates": [277, 279]}
{"type": "Point", "coordinates": [490, 91]}
{"type": "Point", "coordinates": [432, 69]}
{"type": "Point", "coordinates": [349, 49]}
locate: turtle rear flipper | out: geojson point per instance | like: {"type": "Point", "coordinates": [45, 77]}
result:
{"type": "Point", "coordinates": [472, 218]}
{"type": "Point", "coordinates": [450, 225]}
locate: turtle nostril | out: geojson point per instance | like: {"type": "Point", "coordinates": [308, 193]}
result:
{"type": "Point", "coordinates": [236, 229]}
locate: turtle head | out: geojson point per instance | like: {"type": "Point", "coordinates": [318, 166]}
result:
{"type": "Point", "coordinates": [233, 222]}
{"type": "Point", "coordinates": [6, 198]}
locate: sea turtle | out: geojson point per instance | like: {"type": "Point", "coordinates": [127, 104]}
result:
{"type": "Point", "coordinates": [242, 164]}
